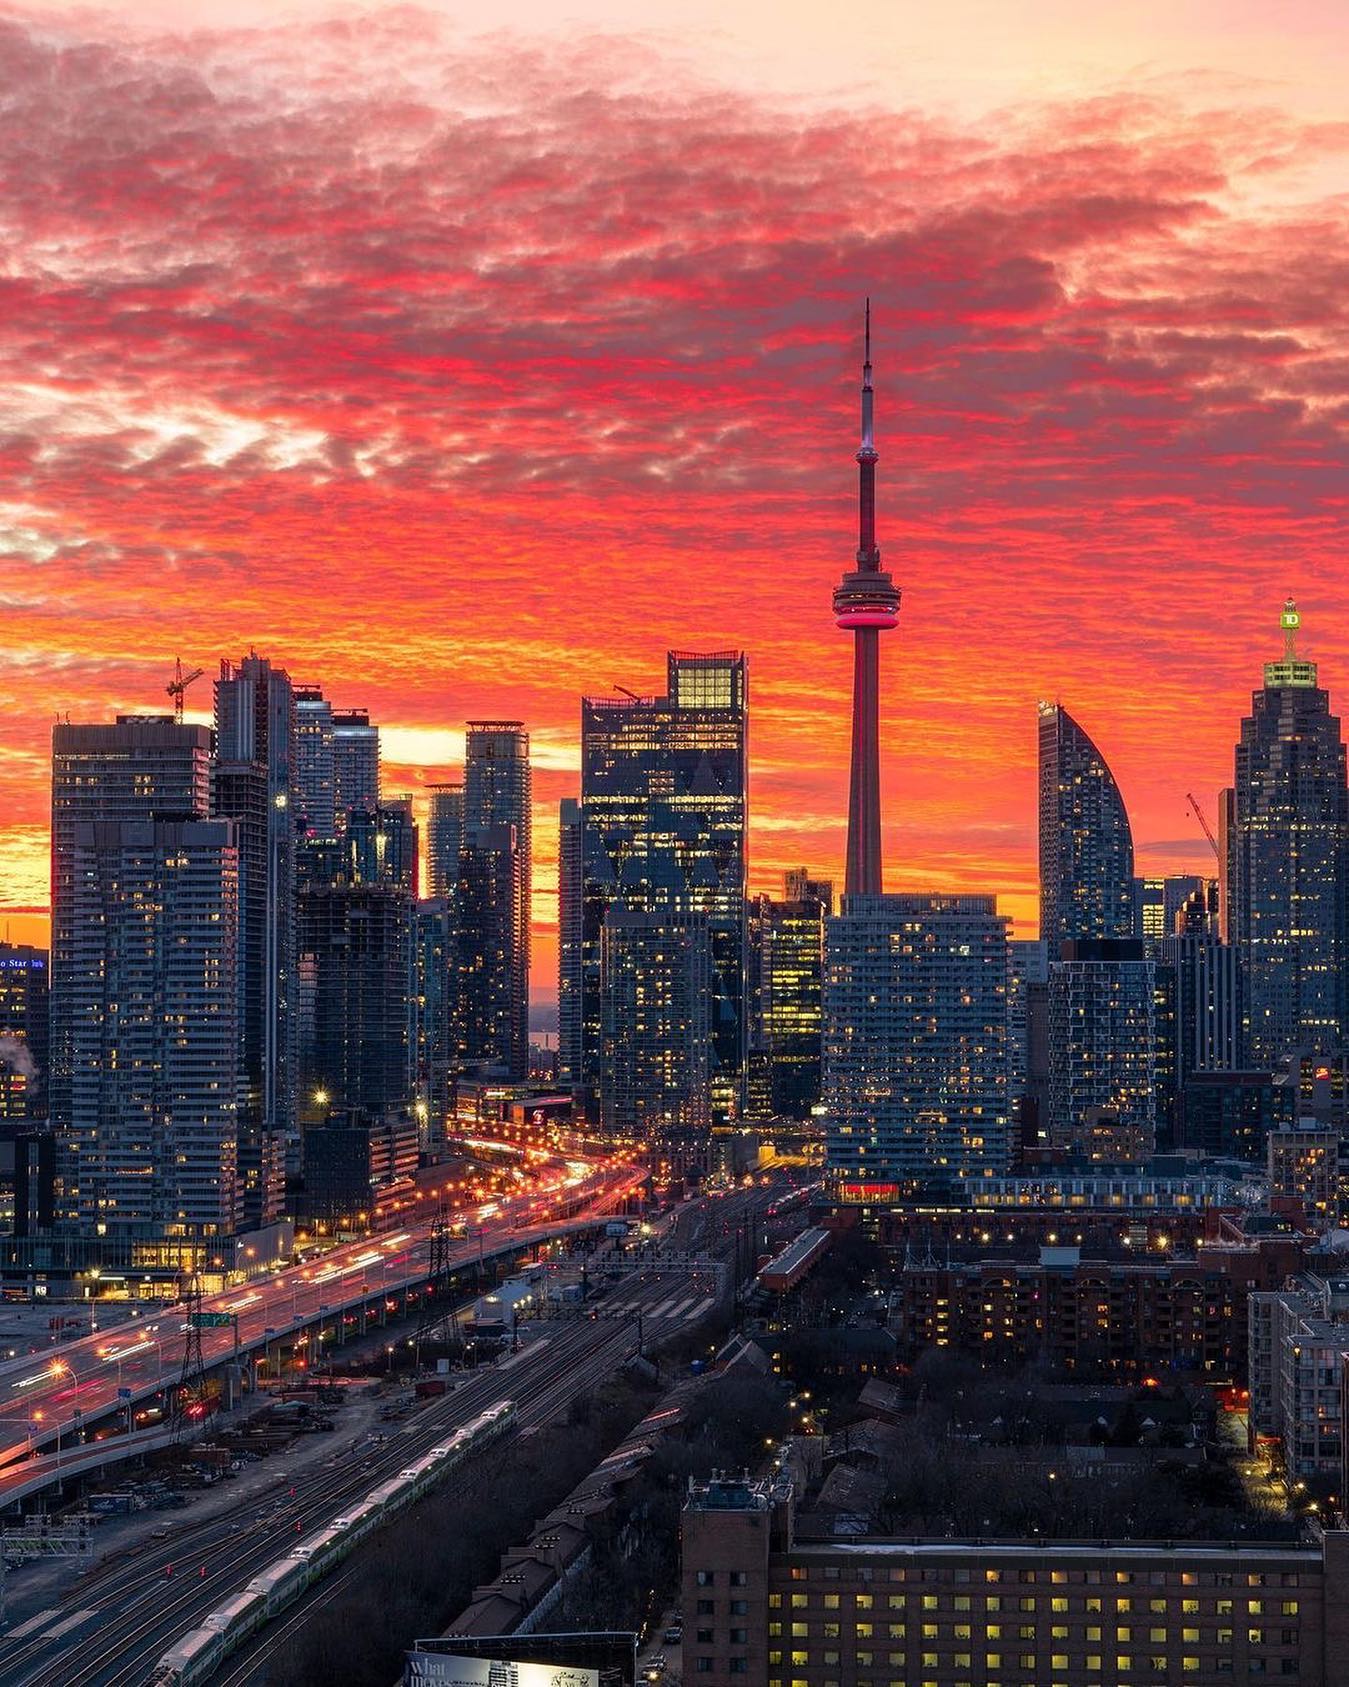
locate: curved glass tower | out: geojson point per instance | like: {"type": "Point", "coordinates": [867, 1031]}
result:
{"type": "Point", "coordinates": [1086, 846]}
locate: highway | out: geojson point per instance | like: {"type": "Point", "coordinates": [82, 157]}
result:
{"type": "Point", "coordinates": [121, 1620]}
{"type": "Point", "coordinates": [45, 1396]}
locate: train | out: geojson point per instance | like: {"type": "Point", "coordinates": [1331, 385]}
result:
{"type": "Point", "coordinates": [196, 1656]}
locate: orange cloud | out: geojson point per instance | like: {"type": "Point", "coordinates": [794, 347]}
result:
{"type": "Point", "coordinates": [467, 383]}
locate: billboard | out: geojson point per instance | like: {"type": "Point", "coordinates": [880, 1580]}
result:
{"type": "Point", "coordinates": [602, 1659]}
{"type": "Point", "coordinates": [427, 1669]}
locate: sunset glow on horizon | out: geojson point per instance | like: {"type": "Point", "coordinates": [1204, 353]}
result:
{"type": "Point", "coordinates": [466, 376]}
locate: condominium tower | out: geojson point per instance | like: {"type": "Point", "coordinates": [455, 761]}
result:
{"type": "Point", "coordinates": [1086, 846]}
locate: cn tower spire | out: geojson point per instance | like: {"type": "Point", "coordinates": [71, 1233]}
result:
{"type": "Point", "coordinates": [866, 603]}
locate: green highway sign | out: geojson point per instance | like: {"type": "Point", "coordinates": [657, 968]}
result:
{"type": "Point", "coordinates": [210, 1320]}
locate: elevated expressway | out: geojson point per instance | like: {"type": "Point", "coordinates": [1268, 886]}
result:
{"type": "Point", "coordinates": [45, 1399]}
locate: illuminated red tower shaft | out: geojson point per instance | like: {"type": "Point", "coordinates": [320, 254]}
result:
{"type": "Point", "coordinates": [866, 604]}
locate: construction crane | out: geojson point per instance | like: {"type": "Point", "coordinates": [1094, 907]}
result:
{"type": "Point", "coordinates": [179, 684]}
{"type": "Point", "coordinates": [1204, 825]}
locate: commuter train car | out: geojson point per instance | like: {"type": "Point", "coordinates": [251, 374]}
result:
{"type": "Point", "coordinates": [198, 1655]}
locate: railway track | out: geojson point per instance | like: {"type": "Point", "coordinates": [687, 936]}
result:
{"type": "Point", "coordinates": [231, 1560]}
{"type": "Point", "coordinates": [212, 1561]}
{"type": "Point", "coordinates": [276, 1636]}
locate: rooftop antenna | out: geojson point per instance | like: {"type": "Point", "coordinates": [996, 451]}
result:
{"type": "Point", "coordinates": [1290, 621]}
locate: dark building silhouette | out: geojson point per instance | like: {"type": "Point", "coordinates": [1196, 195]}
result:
{"type": "Point", "coordinates": [350, 1158]}
{"type": "Point", "coordinates": [491, 1011]}
{"type": "Point", "coordinates": [356, 969]}
{"type": "Point", "coordinates": [1229, 1115]}
{"type": "Point", "coordinates": [435, 1047]}
{"type": "Point", "coordinates": [494, 901]}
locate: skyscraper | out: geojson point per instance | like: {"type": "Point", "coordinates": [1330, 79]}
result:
{"type": "Point", "coordinates": [435, 1047]}
{"type": "Point", "coordinates": [654, 1065]}
{"type": "Point", "coordinates": [1086, 846]}
{"type": "Point", "coordinates": [494, 900]}
{"type": "Point", "coordinates": [358, 963]}
{"type": "Point", "coordinates": [444, 840]}
{"type": "Point", "coordinates": [491, 1004]}
{"type": "Point", "coordinates": [866, 603]}
{"type": "Point", "coordinates": [253, 786]}
{"type": "Point", "coordinates": [1208, 1003]}
{"type": "Point", "coordinates": [1159, 901]}
{"type": "Point", "coordinates": [357, 969]}
{"type": "Point", "coordinates": [786, 946]}
{"type": "Point", "coordinates": [355, 763]}
{"type": "Point", "coordinates": [315, 776]}
{"type": "Point", "coordinates": [660, 830]}
{"type": "Point", "coordinates": [143, 767]}
{"type": "Point", "coordinates": [1027, 1045]}
{"type": "Point", "coordinates": [1288, 839]}
{"type": "Point", "coordinates": [1102, 1050]}
{"type": "Point", "coordinates": [571, 950]}
{"type": "Point", "coordinates": [915, 1043]}
{"type": "Point", "coordinates": [380, 846]}
{"type": "Point", "coordinates": [148, 981]}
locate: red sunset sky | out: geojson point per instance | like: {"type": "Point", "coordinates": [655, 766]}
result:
{"type": "Point", "coordinates": [463, 374]}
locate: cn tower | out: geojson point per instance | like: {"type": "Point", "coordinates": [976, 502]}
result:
{"type": "Point", "coordinates": [866, 604]}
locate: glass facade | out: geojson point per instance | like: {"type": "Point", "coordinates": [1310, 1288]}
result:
{"type": "Point", "coordinates": [494, 900]}
{"type": "Point", "coordinates": [1086, 846]}
{"type": "Point", "coordinates": [1287, 869]}
{"type": "Point", "coordinates": [787, 987]}
{"type": "Point", "coordinates": [661, 831]}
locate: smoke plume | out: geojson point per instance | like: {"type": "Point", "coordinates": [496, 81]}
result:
{"type": "Point", "coordinates": [14, 1054]}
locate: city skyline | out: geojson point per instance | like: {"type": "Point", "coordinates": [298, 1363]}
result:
{"type": "Point", "coordinates": [1064, 416]}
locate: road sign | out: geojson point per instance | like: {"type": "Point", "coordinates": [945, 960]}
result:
{"type": "Point", "coordinates": [210, 1320]}
{"type": "Point", "coordinates": [123, 1393]}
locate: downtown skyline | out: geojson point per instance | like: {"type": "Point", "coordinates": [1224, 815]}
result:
{"type": "Point", "coordinates": [520, 470]}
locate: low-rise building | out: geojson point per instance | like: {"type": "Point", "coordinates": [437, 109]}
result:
{"type": "Point", "coordinates": [1297, 1337]}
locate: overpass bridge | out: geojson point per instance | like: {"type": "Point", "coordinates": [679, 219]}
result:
{"type": "Point", "coordinates": [46, 1399]}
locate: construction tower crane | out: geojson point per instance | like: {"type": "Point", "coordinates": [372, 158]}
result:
{"type": "Point", "coordinates": [179, 684]}
{"type": "Point", "coordinates": [1204, 825]}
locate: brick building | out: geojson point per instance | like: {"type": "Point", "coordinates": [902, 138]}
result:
{"type": "Point", "coordinates": [1124, 1315]}
{"type": "Point", "coordinates": [764, 1606]}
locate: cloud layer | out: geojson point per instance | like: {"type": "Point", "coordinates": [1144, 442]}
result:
{"type": "Point", "coordinates": [466, 378]}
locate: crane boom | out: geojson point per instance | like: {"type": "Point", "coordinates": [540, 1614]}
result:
{"type": "Point", "coordinates": [1204, 825]}
{"type": "Point", "coordinates": [178, 685]}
